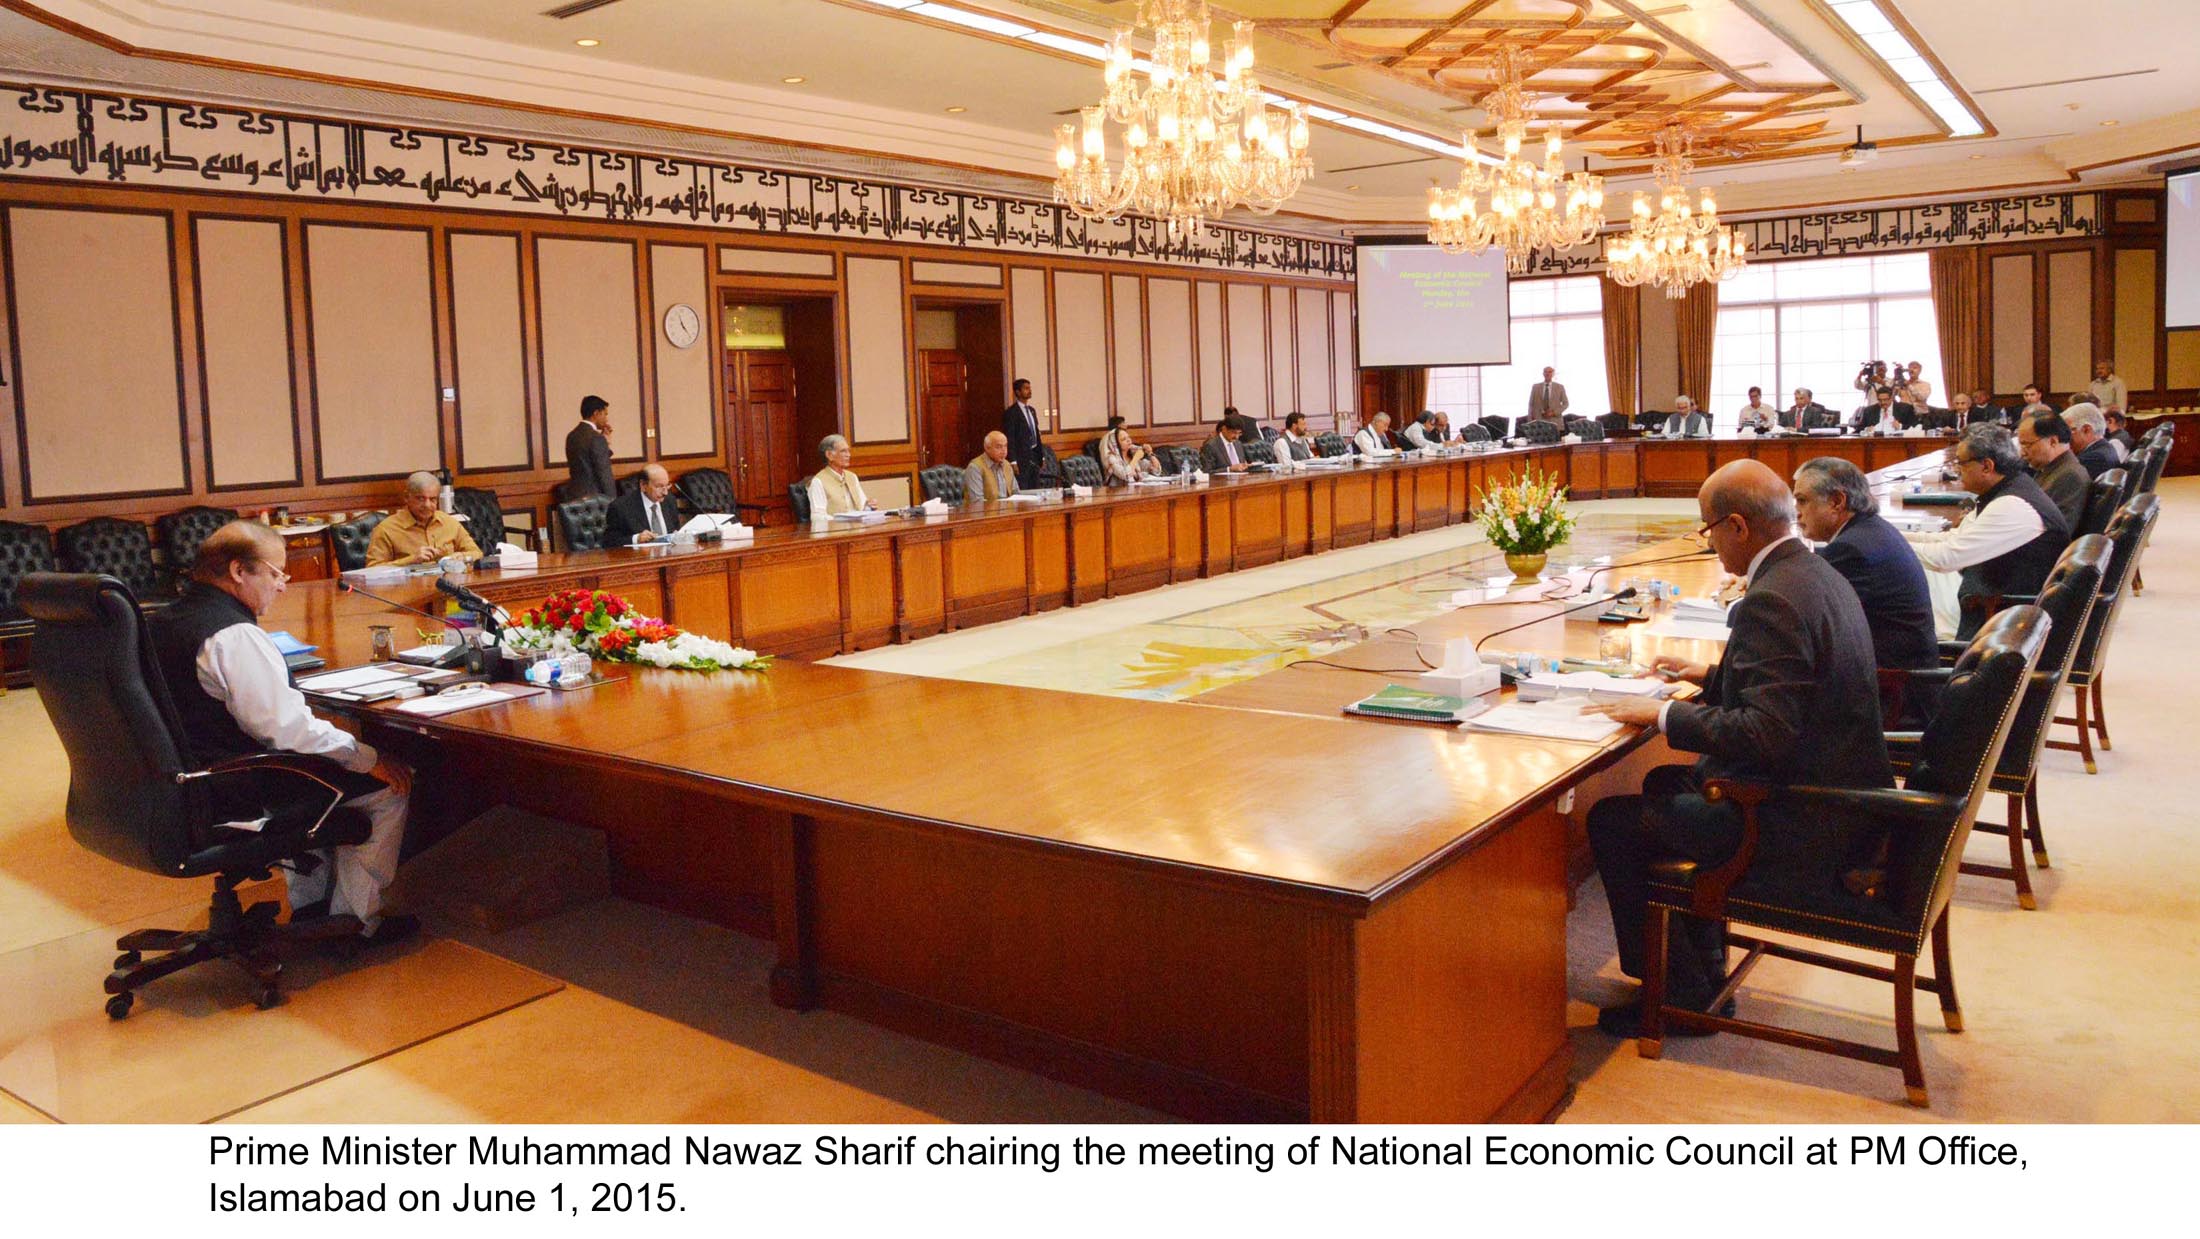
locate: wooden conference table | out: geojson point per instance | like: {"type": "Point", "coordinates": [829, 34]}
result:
{"type": "Point", "coordinates": [1119, 893]}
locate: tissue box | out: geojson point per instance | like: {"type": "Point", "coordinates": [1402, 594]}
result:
{"type": "Point", "coordinates": [1473, 682]}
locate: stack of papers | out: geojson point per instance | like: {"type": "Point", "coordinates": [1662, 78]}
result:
{"type": "Point", "coordinates": [1700, 611]}
{"type": "Point", "coordinates": [1592, 685]}
{"type": "Point", "coordinates": [1550, 720]}
{"type": "Point", "coordinates": [860, 516]}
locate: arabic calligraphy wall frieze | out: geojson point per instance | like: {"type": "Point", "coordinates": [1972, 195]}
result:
{"type": "Point", "coordinates": [53, 132]}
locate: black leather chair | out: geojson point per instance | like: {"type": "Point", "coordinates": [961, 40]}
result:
{"type": "Point", "coordinates": [484, 514]}
{"type": "Point", "coordinates": [1537, 430]}
{"type": "Point", "coordinates": [1614, 423]}
{"type": "Point", "coordinates": [1587, 429]}
{"type": "Point", "coordinates": [136, 800]}
{"type": "Point", "coordinates": [942, 482]}
{"type": "Point", "coordinates": [1176, 457]}
{"type": "Point", "coordinates": [115, 547]}
{"type": "Point", "coordinates": [1268, 434]}
{"type": "Point", "coordinates": [24, 549]}
{"type": "Point", "coordinates": [798, 500]}
{"type": "Point", "coordinates": [1082, 470]}
{"type": "Point", "coordinates": [2104, 496]}
{"type": "Point", "coordinates": [1051, 476]}
{"type": "Point", "coordinates": [2067, 599]}
{"type": "Point", "coordinates": [179, 534]}
{"type": "Point", "coordinates": [1926, 822]}
{"type": "Point", "coordinates": [711, 490]}
{"type": "Point", "coordinates": [1498, 427]}
{"type": "Point", "coordinates": [1256, 452]}
{"type": "Point", "coordinates": [349, 540]}
{"type": "Point", "coordinates": [2150, 475]}
{"type": "Point", "coordinates": [1474, 432]}
{"type": "Point", "coordinates": [1651, 419]}
{"type": "Point", "coordinates": [1330, 443]}
{"type": "Point", "coordinates": [581, 522]}
{"type": "Point", "coordinates": [2127, 533]}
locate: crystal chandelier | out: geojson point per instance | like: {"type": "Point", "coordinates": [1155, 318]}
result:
{"type": "Point", "coordinates": [1195, 143]}
{"type": "Point", "coordinates": [1680, 245]}
{"type": "Point", "coordinates": [1524, 213]}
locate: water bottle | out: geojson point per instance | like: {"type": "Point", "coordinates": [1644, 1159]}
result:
{"type": "Point", "coordinates": [445, 496]}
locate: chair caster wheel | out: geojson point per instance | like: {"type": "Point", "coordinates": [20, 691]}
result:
{"type": "Point", "coordinates": [128, 959]}
{"type": "Point", "coordinates": [269, 996]}
{"type": "Point", "coordinates": [119, 1005]}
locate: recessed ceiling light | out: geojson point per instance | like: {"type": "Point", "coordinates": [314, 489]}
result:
{"type": "Point", "coordinates": [794, 81]}
{"type": "Point", "coordinates": [2106, 123]}
{"type": "Point", "coordinates": [587, 42]}
{"type": "Point", "coordinates": [1976, 157]}
{"type": "Point", "coordinates": [958, 108]}
{"type": "Point", "coordinates": [1351, 187]}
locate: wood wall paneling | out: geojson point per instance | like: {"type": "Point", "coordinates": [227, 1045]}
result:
{"type": "Point", "coordinates": [1317, 393]}
{"type": "Point", "coordinates": [986, 275]}
{"type": "Point", "coordinates": [2138, 319]}
{"type": "Point", "coordinates": [2009, 306]}
{"type": "Point", "coordinates": [1248, 350]}
{"type": "Point", "coordinates": [889, 490]}
{"type": "Point", "coordinates": [1027, 329]}
{"type": "Point", "coordinates": [487, 313]}
{"type": "Point", "coordinates": [739, 259]}
{"type": "Point", "coordinates": [95, 317]}
{"type": "Point", "coordinates": [1169, 334]}
{"type": "Point", "coordinates": [2069, 319]}
{"type": "Point", "coordinates": [1343, 339]}
{"type": "Point", "coordinates": [687, 421]}
{"type": "Point", "coordinates": [376, 404]}
{"type": "Point", "coordinates": [1214, 369]}
{"type": "Point", "coordinates": [1283, 370]}
{"type": "Point", "coordinates": [586, 303]}
{"type": "Point", "coordinates": [879, 362]}
{"type": "Point", "coordinates": [248, 385]}
{"type": "Point", "coordinates": [2184, 358]}
{"type": "Point", "coordinates": [1127, 307]}
{"type": "Point", "coordinates": [1081, 350]}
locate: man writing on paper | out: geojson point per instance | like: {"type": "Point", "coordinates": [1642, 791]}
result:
{"type": "Point", "coordinates": [233, 698]}
{"type": "Point", "coordinates": [422, 533]}
{"type": "Point", "coordinates": [1794, 699]}
{"type": "Point", "coordinates": [643, 515]}
{"type": "Point", "coordinates": [1221, 453]}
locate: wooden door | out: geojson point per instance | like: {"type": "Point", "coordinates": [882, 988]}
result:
{"type": "Point", "coordinates": [946, 439]}
{"type": "Point", "coordinates": [1371, 399]}
{"type": "Point", "coordinates": [760, 388]}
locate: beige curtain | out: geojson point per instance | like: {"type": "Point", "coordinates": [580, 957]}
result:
{"type": "Point", "coordinates": [1698, 323]}
{"type": "Point", "coordinates": [1957, 319]}
{"type": "Point", "coordinates": [1622, 345]}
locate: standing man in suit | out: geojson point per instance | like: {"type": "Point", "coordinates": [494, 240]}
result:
{"type": "Point", "coordinates": [1020, 422]}
{"type": "Point", "coordinates": [1547, 400]}
{"type": "Point", "coordinates": [1835, 508]}
{"type": "Point", "coordinates": [645, 514]}
{"type": "Point", "coordinates": [1805, 414]}
{"type": "Point", "coordinates": [1794, 699]}
{"type": "Point", "coordinates": [1220, 453]}
{"type": "Point", "coordinates": [1686, 421]}
{"type": "Point", "coordinates": [588, 452]}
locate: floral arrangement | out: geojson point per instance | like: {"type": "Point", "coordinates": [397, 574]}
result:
{"type": "Point", "coordinates": [606, 626]}
{"type": "Point", "coordinates": [1526, 516]}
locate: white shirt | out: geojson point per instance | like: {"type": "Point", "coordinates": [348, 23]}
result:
{"type": "Point", "coordinates": [1994, 530]}
{"type": "Point", "coordinates": [1369, 444]}
{"type": "Point", "coordinates": [241, 668]}
{"type": "Point", "coordinates": [1759, 415]}
{"type": "Point", "coordinates": [1287, 458]}
{"type": "Point", "coordinates": [1418, 437]}
{"type": "Point", "coordinates": [818, 502]}
{"type": "Point", "coordinates": [1755, 561]}
{"type": "Point", "coordinates": [2109, 393]}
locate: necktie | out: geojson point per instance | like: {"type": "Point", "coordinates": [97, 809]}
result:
{"type": "Point", "coordinates": [1229, 449]}
{"type": "Point", "coordinates": [656, 516]}
{"type": "Point", "coordinates": [1546, 397]}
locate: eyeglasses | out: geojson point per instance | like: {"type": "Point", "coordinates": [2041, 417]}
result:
{"type": "Point", "coordinates": [281, 575]}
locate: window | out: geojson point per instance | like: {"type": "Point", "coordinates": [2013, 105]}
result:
{"type": "Point", "coordinates": [1784, 325]}
{"type": "Point", "coordinates": [1557, 323]}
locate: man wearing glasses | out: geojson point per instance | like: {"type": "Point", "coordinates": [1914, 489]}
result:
{"type": "Point", "coordinates": [2007, 545]}
{"type": "Point", "coordinates": [234, 698]}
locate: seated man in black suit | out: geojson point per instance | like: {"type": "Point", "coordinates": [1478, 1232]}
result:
{"type": "Point", "coordinates": [1794, 699]}
{"type": "Point", "coordinates": [1221, 453]}
{"type": "Point", "coordinates": [644, 514]}
{"type": "Point", "coordinates": [1835, 508]}
{"type": "Point", "coordinates": [1806, 414]}
{"type": "Point", "coordinates": [1885, 416]}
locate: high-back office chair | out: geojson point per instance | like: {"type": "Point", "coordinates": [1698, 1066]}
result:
{"type": "Point", "coordinates": [179, 534]}
{"type": "Point", "coordinates": [2146, 469]}
{"type": "Point", "coordinates": [1050, 468]}
{"type": "Point", "coordinates": [581, 522]}
{"type": "Point", "coordinates": [484, 514]}
{"type": "Point", "coordinates": [942, 482]}
{"type": "Point", "coordinates": [1651, 419]}
{"type": "Point", "coordinates": [2067, 598]}
{"type": "Point", "coordinates": [1540, 431]}
{"type": "Point", "coordinates": [1268, 433]}
{"type": "Point", "coordinates": [136, 799]}
{"type": "Point", "coordinates": [1474, 432]}
{"type": "Point", "coordinates": [24, 549]}
{"type": "Point", "coordinates": [2127, 533]}
{"type": "Point", "coordinates": [798, 500]}
{"type": "Point", "coordinates": [1587, 429]}
{"type": "Point", "coordinates": [1926, 823]}
{"type": "Point", "coordinates": [1498, 427]}
{"type": "Point", "coordinates": [1176, 457]}
{"type": "Point", "coordinates": [2103, 496]}
{"type": "Point", "coordinates": [1614, 423]}
{"type": "Point", "coordinates": [349, 540]}
{"type": "Point", "coordinates": [711, 490]}
{"type": "Point", "coordinates": [1256, 452]}
{"type": "Point", "coordinates": [1082, 470]}
{"type": "Point", "coordinates": [118, 548]}
{"type": "Point", "coordinates": [1330, 443]}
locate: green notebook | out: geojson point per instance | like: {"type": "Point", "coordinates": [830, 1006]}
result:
{"type": "Point", "coordinates": [1398, 701]}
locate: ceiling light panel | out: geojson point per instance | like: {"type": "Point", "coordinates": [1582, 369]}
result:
{"type": "Point", "coordinates": [1875, 30]}
{"type": "Point", "coordinates": [976, 21]}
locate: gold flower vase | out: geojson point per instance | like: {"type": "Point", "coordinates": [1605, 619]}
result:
{"type": "Point", "coordinates": [1527, 567]}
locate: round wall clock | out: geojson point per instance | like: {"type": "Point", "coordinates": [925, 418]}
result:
{"type": "Point", "coordinates": [683, 326]}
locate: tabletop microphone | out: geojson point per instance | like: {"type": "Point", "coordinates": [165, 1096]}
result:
{"type": "Point", "coordinates": [346, 587]}
{"type": "Point", "coordinates": [712, 534]}
{"type": "Point", "coordinates": [1621, 596]}
{"type": "Point", "coordinates": [474, 658]}
{"type": "Point", "coordinates": [489, 612]}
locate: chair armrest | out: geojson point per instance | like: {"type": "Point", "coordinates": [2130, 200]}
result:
{"type": "Point", "coordinates": [320, 770]}
{"type": "Point", "coordinates": [1708, 896]}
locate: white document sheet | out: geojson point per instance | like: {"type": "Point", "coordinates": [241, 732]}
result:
{"type": "Point", "coordinates": [1551, 720]}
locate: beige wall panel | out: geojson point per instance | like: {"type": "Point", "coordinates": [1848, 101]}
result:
{"type": "Point", "coordinates": [492, 352]}
{"type": "Point", "coordinates": [1130, 349]}
{"type": "Point", "coordinates": [1214, 373]}
{"type": "Point", "coordinates": [2069, 320]}
{"type": "Point", "coordinates": [1248, 326]}
{"type": "Point", "coordinates": [891, 491]}
{"type": "Point", "coordinates": [774, 262]}
{"type": "Point", "coordinates": [1346, 372]}
{"type": "Point", "coordinates": [374, 382]}
{"type": "Point", "coordinates": [1283, 377]}
{"type": "Point", "coordinates": [1169, 327]}
{"type": "Point", "coordinates": [2184, 358]}
{"type": "Point", "coordinates": [685, 415]}
{"type": "Point", "coordinates": [955, 273]}
{"type": "Point", "coordinates": [244, 318]}
{"type": "Point", "coordinates": [2137, 324]}
{"type": "Point", "coordinates": [935, 328]}
{"type": "Point", "coordinates": [1661, 353]}
{"type": "Point", "coordinates": [96, 328]}
{"type": "Point", "coordinates": [1317, 394]}
{"type": "Point", "coordinates": [878, 356]}
{"type": "Point", "coordinates": [2010, 328]}
{"type": "Point", "coordinates": [587, 296]}
{"type": "Point", "coordinates": [1081, 358]}
{"type": "Point", "coordinates": [1027, 329]}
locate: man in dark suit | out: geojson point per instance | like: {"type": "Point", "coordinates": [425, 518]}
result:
{"type": "Point", "coordinates": [2089, 435]}
{"type": "Point", "coordinates": [1834, 506]}
{"type": "Point", "coordinates": [1885, 416]}
{"type": "Point", "coordinates": [645, 514]}
{"type": "Point", "coordinates": [1020, 422]}
{"type": "Point", "coordinates": [1221, 453]}
{"type": "Point", "coordinates": [1805, 413]}
{"type": "Point", "coordinates": [1794, 699]}
{"type": "Point", "coordinates": [588, 452]}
